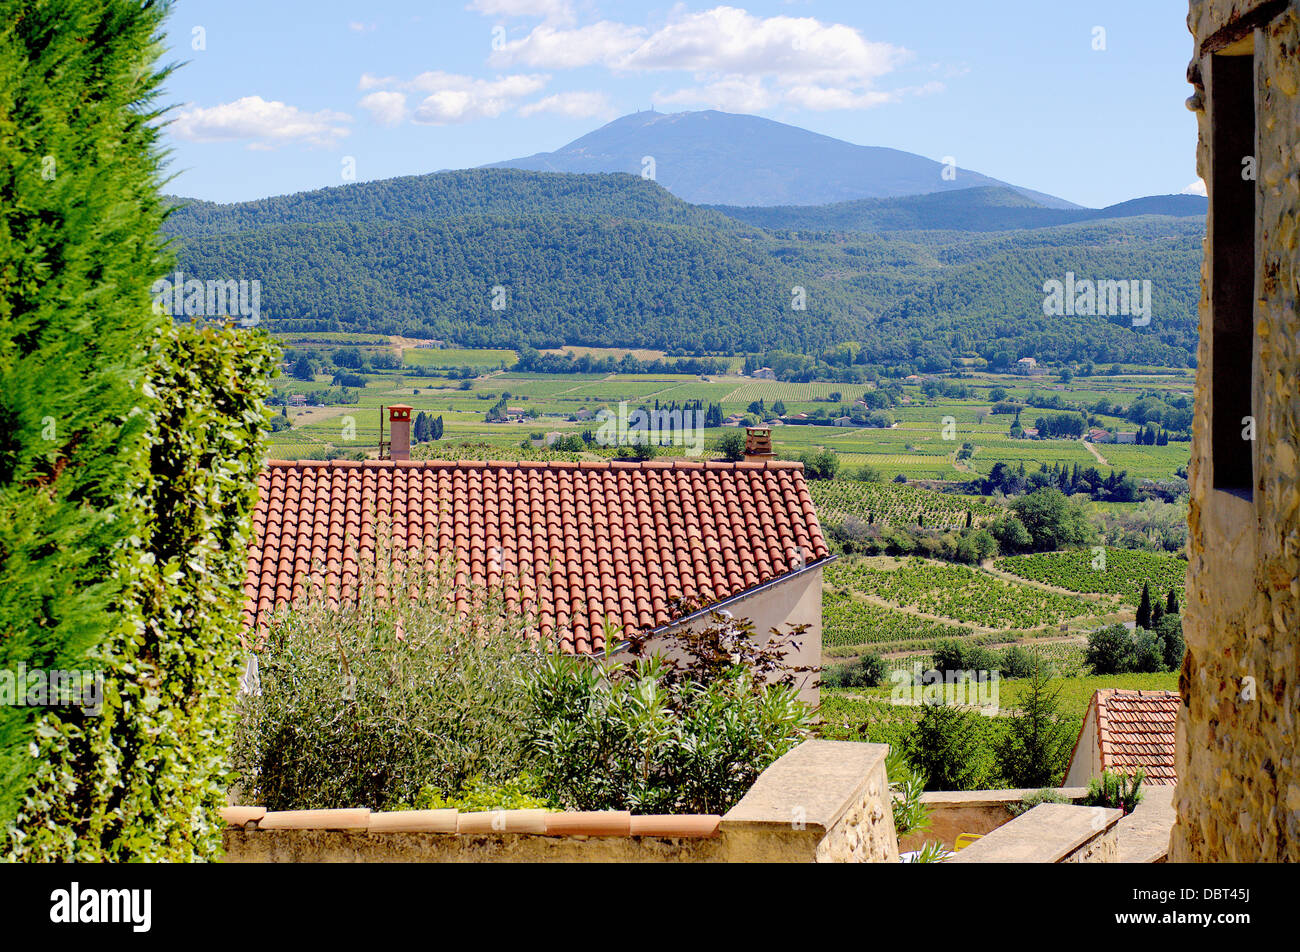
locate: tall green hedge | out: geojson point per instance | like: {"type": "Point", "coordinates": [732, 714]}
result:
{"type": "Point", "coordinates": [79, 248]}
{"type": "Point", "coordinates": [145, 778]}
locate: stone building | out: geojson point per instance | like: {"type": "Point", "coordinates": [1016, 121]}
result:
{"type": "Point", "coordinates": [1238, 735]}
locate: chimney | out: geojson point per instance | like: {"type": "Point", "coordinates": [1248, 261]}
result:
{"type": "Point", "coordinates": [399, 430]}
{"type": "Point", "coordinates": [758, 444]}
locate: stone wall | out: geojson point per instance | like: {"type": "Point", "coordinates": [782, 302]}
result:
{"type": "Point", "coordinates": [1050, 833]}
{"type": "Point", "coordinates": [1238, 796]}
{"type": "Point", "coordinates": [954, 812]}
{"type": "Point", "coordinates": [825, 801]}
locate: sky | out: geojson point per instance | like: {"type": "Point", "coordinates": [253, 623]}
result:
{"type": "Point", "coordinates": [1083, 100]}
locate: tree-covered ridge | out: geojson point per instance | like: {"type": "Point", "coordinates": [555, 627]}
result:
{"type": "Point", "coordinates": [503, 258]}
{"type": "Point", "coordinates": [455, 194]}
{"type": "Point", "coordinates": [979, 209]}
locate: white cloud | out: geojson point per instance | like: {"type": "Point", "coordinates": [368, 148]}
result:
{"type": "Point", "coordinates": [574, 105]}
{"type": "Point", "coordinates": [731, 94]}
{"type": "Point", "coordinates": [741, 62]}
{"type": "Point", "coordinates": [733, 41]}
{"type": "Point", "coordinates": [356, 26]}
{"type": "Point", "coordinates": [546, 47]}
{"type": "Point", "coordinates": [266, 123]}
{"type": "Point", "coordinates": [823, 98]}
{"type": "Point", "coordinates": [447, 97]}
{"type": "Point", "coordinates": [559, 11]}
{"type": "Point", "coordinates": [386, 107]}
{"type": "Point", "coordinates": [1196, 188]}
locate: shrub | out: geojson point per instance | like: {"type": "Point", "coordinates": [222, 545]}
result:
{"type": "Point", "coordinates": [1037, 798]}
{"type": "Point", "coordinates": [906, 786]}
{"type": "Point", "coordinates": [868, 671]}
{"type": "Point", "coordinates": [732, 445]}
{"type": "Point", "coordinates": [79, 251]}
{"type": "Point", "coordinates": [145, 779]}
{"type": "Point", "coordinates": [372, 703]}
{"type": "Point", "coordinates": [1116, 791]}
{"type": "Point", "coordinates": [821, 465]}
{"type": "Point", "coordinates": [478, 795]}
{"type": "Point", "coordinates": [609, 737]}
{"type": "Point", "coordinates": [1017, 663]}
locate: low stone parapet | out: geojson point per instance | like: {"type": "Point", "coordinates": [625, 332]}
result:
{"type": "Point", "coordinates": [1050, 833]}
{"type": "Point", "coordinates": [825, 801]}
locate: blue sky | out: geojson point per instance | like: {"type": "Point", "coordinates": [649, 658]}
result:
{"type": "Point", "coordinates": [1078, 99]}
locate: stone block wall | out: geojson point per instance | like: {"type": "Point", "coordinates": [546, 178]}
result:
{"type": "Point", "coordinates": [825, 801]}
{"type": "Point", "coordinates": [1238, 796]}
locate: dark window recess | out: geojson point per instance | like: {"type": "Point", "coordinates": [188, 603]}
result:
{"type": "Point", "coordinates": [1232, 296]}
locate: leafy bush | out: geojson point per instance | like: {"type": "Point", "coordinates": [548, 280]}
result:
{"type": "Point", "coordinates": [1116, 791]}
{"type": "Point", "coordinates": [1037, 798]}
{"type": "Point", "coordinates": [689, 735]}
{"type": "Point", "coordinates": [478, 796]}
{"type": "Point", "coordinates": [869, 671]}
{"type": "Point", "coordinates": [373, 703]}
{"type": "Point", "coordinates": [145, 779]}
{"type": "Point", "coordinates": [731, 445]}
{"type": "Point", "coordinates": [821, 465]}
{"type": "Point", "coordinates": [906, 786]}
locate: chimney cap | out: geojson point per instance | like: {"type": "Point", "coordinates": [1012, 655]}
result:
{"type": "Point", "coordinates": [399, 406]}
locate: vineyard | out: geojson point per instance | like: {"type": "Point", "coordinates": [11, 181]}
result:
{"type": "Point", "coordinates": [1122, 572]}
{"type": "Point", "coordinates": [895, 504]}
{"type": "Point", "coordinates": [959, 593]}
{"type": "Point", "coordinates": [849, 622]}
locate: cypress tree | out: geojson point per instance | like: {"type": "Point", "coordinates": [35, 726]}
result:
{"type": "Point", "coordinates": [79, 251]}
{"type": "Point", "coordinates": [1171, 604]}
{"type": "Point", "coordinates": [1144, 607]}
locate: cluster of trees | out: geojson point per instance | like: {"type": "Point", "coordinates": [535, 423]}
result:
{"type": "Point", "coordinates": [534, 361]}
{"type": "Point", "coordinates": [1068, 426]}
{"type": "Point", "coordinates": [1042, 521]}
{"type": "Point", "coordinates": [857, 536]}
{"type": "Point", "coordinates": [426, 427]}
{"type": "Point", "coordinates": [1013, 480]}
{"type": "Point", "coordinates": [1155, 644]}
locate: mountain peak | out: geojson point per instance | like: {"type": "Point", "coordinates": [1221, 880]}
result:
{"type": "Point", "coordinates": [723, 158]}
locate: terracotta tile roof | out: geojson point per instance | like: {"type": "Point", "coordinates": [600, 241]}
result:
{"type": "Point", "coordinates": [1136, 729]}
{"type": "Point", "coordinates": [568, 543]}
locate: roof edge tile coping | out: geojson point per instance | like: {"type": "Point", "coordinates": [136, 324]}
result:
{"type": "Point", "coordinates": [536, 822]}
{"type": "Point", "coordinates": [437, 464]}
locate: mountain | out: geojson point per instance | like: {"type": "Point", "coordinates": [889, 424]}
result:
{"type": "Point", "coordinates": [616, 260]}
{"type": "Point", "coordinates": [720, 158]}
{"type": "Point", "coordinates": [983, 208]}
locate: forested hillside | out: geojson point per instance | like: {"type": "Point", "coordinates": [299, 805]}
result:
{"type": "Point", "coordinates": [985, 208]}
{"type": "Point", "coordinates": [616, 260]}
